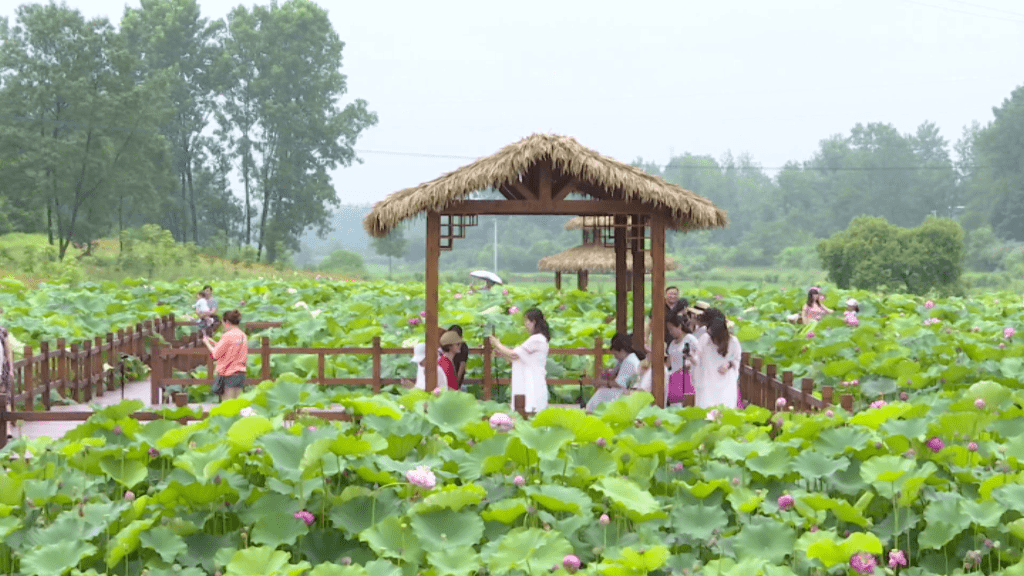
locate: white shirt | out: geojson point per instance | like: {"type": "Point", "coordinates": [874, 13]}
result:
{"type": "Point", "coordinates": [629, 372]}
{"type": "Point", "coordinates": [675, 351]}
{"type": "Point", "coordinates": [202, 306]}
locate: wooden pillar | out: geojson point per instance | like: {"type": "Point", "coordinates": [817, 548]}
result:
{"type": "Point", "coordinates": [621, 285]}
{"type": "Point", "coordinates": [433, 254]}
{"type": "Point", "coordinates": [658, 308]}
{"type": "Point", "coordinates": [639, 275]}
{"type": "Point", "coordinates": [26, 380]}
{"type": "Point", "coordinates": [265, 357]}
{"type": "Point", "coordinates": [156, 371]}
{"type": "Point", "coordinates": [582, 279]}
{"type": "Point", "coordinates": [376, 365]}
{"type": "Point", "coordinates": [558, 280]}
{"type": "Point", "coordinates": [44, 375]}
{"type": "Point", "coordinates": [488, 375]}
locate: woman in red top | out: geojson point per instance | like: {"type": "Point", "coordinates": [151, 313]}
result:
{"type": "Point", "coordinates": [230, 355]}
{"type": "Point", "coordinates": [451, 344]}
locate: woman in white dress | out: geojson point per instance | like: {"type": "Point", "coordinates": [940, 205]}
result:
{"type": "Point", "coordinates": [627, 375]}
{"type": "Point", "coordinates": [529, 362]}
{"type": "Point", "coordinates": [716, 367]}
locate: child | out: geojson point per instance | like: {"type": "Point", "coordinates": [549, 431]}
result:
{"type": "Point", "coordinates": [204, 322]}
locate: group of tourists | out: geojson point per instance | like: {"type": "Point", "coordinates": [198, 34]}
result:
{"type": "Point", "coordinates": [814, 309]}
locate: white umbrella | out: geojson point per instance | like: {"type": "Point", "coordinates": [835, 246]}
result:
{"type": "Point", "coordinates": [485, 275]}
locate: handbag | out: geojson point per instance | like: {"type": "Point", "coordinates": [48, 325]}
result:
{"type": "Point", "coordinates": [679, 385]}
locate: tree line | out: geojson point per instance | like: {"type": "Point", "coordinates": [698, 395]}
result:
{"type": "Point", "coordinates": [110, 127]}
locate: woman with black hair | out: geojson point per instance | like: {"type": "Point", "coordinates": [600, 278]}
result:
{"type": "Point", "coordinates": [627, 372]}
{"type": "Point", "coordinates": [815, 308]}
{"type": "Point", "coordinates": [529, 361]}
{"type": "Point", "coordinates": [716, 367]}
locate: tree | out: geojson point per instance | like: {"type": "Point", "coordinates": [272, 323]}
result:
{"type": "Point", "coordinates": [392, 246]}
{"type": "Point", "coordinates": [284, 116]}
{"type": "Point", "coordinates": [873, 254]}
{"type": "Point", "coordinates": [344, 262]}
{"type": "Point", "coordinates": [1001, 151]}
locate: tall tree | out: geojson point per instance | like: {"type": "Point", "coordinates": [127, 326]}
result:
{"type": "Point", "coordinates": [286, 88]}
{"type": "Point", "coordinates": [1001, 151]}
{"type": "Point", "coordinates": [84, 122]}
{"type": "Point", "coordinates": [393, 246]}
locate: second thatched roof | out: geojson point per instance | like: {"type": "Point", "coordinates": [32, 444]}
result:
{"type": "Point", "coordinates": [580, 222]}
{"type": "Point", "coordinates": [685, 210]}
{"type": "Point", "coordinates": [594, 258]}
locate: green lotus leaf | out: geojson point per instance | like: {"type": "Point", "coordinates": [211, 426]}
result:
{"type": "Point", "coordinates": [332, 569]}
{"type": "Point", "coordinates": [55, 558]}
{"type": "Point", "coordinates": [765, 538]}
{"type": "Point", "coordinates": [832, 552]}
{"type": "Point", "coordinates": [986, 513]}
{"type": "Point", "coordinates": [263, 561]}
{"type": "Point", "coordinates": [125, 472]}
{"type": "Point", "coordinates": [363, 445]}
{"type": "Point", "coordinates": [126, 541]}
{"type": "Point", "coordinates": [277, 528]}
{"type": "Point", "coordinates": [164, 541]}
{"type": "Point", "coordinates": [886, 469]}
{"type": "Point", "coordinates": [623, 411]}
{"type": "Point", "coordinates": [812, 464]}
{"type": "Point", "coordinates": [382, 568]}
{"type": "Point", "coordinates": [392, 538]}
{"type": "Point", "coordinates": [453, 497]}
{"type": "Point", "coordinates": [525, 549]}
{"type": "Point", "coordinates": [645, 441]}
{"type": "Point", "coordinates": [773, 464]}
{"type": "Point", "coordinates": [443, 529]}
{"type": "Point", "coordinates": [452, 411]}
{"type": "Point", "coordinates": [204, 465]}
{"type": "Point", "coordinates": [697, 520]}
{"type": "Point", "coordinates": [703, 489]}
{"type": "Point", "coordinates": [243, 432]}
{"type": "Point", "coordinates": [453, 561]}
{"type": "Point", "coordinates": [637, 503]}
{"type": "Point", "coordinates": [843, 510]}
{"type": "Point", "coordinates": [1011, 496]}
{"type": "Point", "coordinates": [836, 441]}
{"type": "Point", "coordinates": [745, 500]}
{"type": "Point", "coordinates": [1016, 528]}
{"type": "Point", "coordinates": [936, 534]}
{"type": "Point", "coordinates": [546, 442]}
{"type": "Point", "coordinates": [358, 514]}
{"type": "Point", "coordinates": [505, 511]}
{"type": "Point", "coordinates": [840, 368]}
{"type": "Point", "coordinates": [875, 417]}
{"type": "Point", "coordinates": [649, 560]}
{"type": "Point", "coordinates": [373, 405]}
{"type": "Point", "coordinates": [561, 498]}
{"type": "Point", "coordinates": [596, 461]}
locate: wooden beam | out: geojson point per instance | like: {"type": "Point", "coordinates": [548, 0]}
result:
{"type": "Point", "coordinates": [544, 177]}
{"type": "Point", "coordinates": [658, 308]}
{"type": "Point", "coordinates": [639, 277]}
{"type": "Point", "coordinates": [565, 188]}
{"type": "Point", "coordinates": [562, 207]}
{"type": "Point", "coordinates": [621, 286]}
{"type": "Point", "coordinates": [523, 190]}
{"type": "Point", "coordinates": [510, 192]}
{"type": "Point", "coordinates": [433, 254]}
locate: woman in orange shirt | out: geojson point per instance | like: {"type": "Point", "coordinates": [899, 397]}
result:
{"type": "Point", "coordinates": [230, 355]}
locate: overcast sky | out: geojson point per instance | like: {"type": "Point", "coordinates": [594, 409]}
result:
{"type": "Point", "coordinates": [459, 79]}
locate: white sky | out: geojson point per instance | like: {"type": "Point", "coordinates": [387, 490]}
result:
{"type": "Point", "coordinates": [648, 78]}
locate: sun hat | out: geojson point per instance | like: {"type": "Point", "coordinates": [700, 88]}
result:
{"type": "Point", "coordinates": [851, 302]}
{"type": "Point", "coordinates": [419, 352]}
{"type": "Point", "coordinates": [450, 337]}
{"type": "Point", "coordinates": [698, 307]}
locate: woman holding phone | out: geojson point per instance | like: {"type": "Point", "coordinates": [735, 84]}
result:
{"type": "Point", "coordinates": [529, 361]}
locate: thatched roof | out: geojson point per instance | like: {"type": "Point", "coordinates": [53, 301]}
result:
{"type": "Point", "coordinates": [685, 210]}
{"type": "Point", "coordinates": [594, 258]}
{"type": "Point", "coordinates": [580, 222]}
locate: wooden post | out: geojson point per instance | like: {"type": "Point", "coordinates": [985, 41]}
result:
{"type": "Point", "coordinates": [519, 402]}
{"type": "Point", "coordinates": [488, 375]}
{"type": "Point", "coordinates": [658, 308]}
{"type": "Point", "coordinates": [97, 366]}
{"type": "Point", "coordinates": [621, 285]}
{"type": "Point", "coordinates": [156, 366]}
{"type": "Point", "coordinates": [787, 381]}
{"type": "Point", "coordinates": [598, 356]}
{"type": "Point", "coordinates": [26, 379]}
{"type": "Point", "coordinates": [762, 389]}
{"type": "Point", "coordinates": [169, 328]}
{"type": "Point", "coordinates": [558, 280]}
{"type": "Point", "coordinates": [265, 357]}
{"type": "Point", "coordinates": [639, 275]}
{"type": "Point", "coordinates": [807, 387]}
{"type": "Point", "coordinates": [147, 331]}
{"type": "Point", "coordinates": [62, 367]}
{"type": "Point", "coordinates": [321, 368]}
{"type": "Point", "coordinates": [433, 256]}
{"type": "Point", "coordinates": [847, 402]}
{"type": "Point", "coordinates": [746, 387]}
{"type": "Point", "coordinates": [778, 391]}
{"type": "Point", "coordinates": [827, 394]}
{"type": "Point", "coordinates": [44, 375]}
{"type": "Point", "coordinates": [75, 372]}
{"type": "Point", "coordinates": [582, 280]}
{"type": "Point", "coordinates": [139, 342]}
{"type": "Point", "coordinates": [376, 365]}
{"type": "Point", "coordinates": [4, 399]}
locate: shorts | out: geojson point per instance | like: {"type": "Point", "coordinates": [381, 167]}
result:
{"type": "Point", "coordinates": [236, 380]}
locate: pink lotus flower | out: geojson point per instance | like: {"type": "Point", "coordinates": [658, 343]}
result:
{"type": "Point", "coordinates": [829, 413]}
{"type": "Point", "coordinates": [129, 495]}
{"type": "Point", "coordinates": [421, 476]}
{"type": "Point", "coordinates": [306, 517]}
{"type": "Point", "coordinates": [979, 403]}
{"type": "Point", "coordinates": [153, 453]}
{"type": "Point", "coordinates": [935, 444]}
{"type": "Point", "coordinates": [504, 292]}
{"type": "Point", "coordinates": [972, 446]}
{"type": "Point", "coordinates": [513, 310]}
{"type": "Point", "coordinates": [502, 422]}
{"type": "Point", "coordinates": [457, 296]}
{"type": "Point", "coordinates": [1008, 332]}
{"type": "Point", "coordinates": [678, 467]}
{"type": "Point", "coordinates": [571, 563]}
{"type": "Point", "coordinates": [423, 313]}
{"type": "Point", "coordinates": [785, 502]}
{"type": "Point", "coordinates": [780, 403]}
{"type": "Point", "coordinates": [246, 412]}
{"type": "Point", "coordinates": [601, 442]}
{"type": "Point", "coordinates": [713, 415]}
{"type": "Point", "coordinates": [1002, 345]}
{"type": "Point", "coordinates": [519, 481]}
{"type": "Point", "coordinates": [810, 334]}
{"type": "Point", "coordinates": [863, 563]}
{"type": "Point", "coordinates": [604, 520]}
{"type": "Point", "coordinates": [414, 321]}
{"type": "Point", "coordinates": [904, 396]}
{"type": "Point", "coordinates": [878, 404]}
{"type": "Point", "coordinates": [897, 558]}
{"type": "Point", "coordinates": [929, 304]}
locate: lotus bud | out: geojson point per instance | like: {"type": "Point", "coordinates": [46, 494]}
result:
{"type": "Point", "coordinates": [129, 496]}
{"type": "Point", "coordinates": [518, 481]}
{"type": "Point", "coordinates": [601, 442]}
{"type": "Point", "coordinates": [604, 520]}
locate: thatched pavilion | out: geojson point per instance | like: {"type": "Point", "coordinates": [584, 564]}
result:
{"type": "Point", "coordinates": [596, 254]}
{"type": "Point", "coordinates": [544, 174]}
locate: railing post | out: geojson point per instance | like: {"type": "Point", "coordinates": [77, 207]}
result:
{"type": "Point", "coordinates": [847, 402]}
{"type": "Point", "coordinates": [770, 371]}
{"type": "Point", "coordinates": [827, 394]}
{"type": "Point", "coordinates": [62, 367]}
{"type": "Point", "coordinates": [75, 380]}
{"type": "Point", "coordinates": [787, 381]}
{"type": "Point", "coordinates": [3, 418]}
{"type": "Point", "coordinates": [87, 369]}
{"type": "Point", "coordinates": [807, 387]}
{"type": "Point", "coordinates": [44, 374]}
{"type": "Point", "coordinates": [155, 371]}
{"type": "Point", "coordinates": [97, 366]}
{"type": "Point", "coordinates": [169, 327]}
{"type": "Point", "coordinates": [598, 356]}
{"type": "Point", "coordinates": [139, 343]}
{"type": "Point", "coordinates": [265, 357]}
{"type": "Point", "coordinates": [376, 364]}
{"type": "Point", "coordinates": [488, 383]}
{"type": "Point", "coordinates": [762, 389]}
{"type": "Point", "coordinates": [26, 378]}
{"type": "Point", "coordinates": [519, 401]}
{"type": "Point", "coordinates": [112, 360]}
{"type": "Point", "coordinates": [321, 368]}
{"type": "Point", "coordinates": [747, 390]}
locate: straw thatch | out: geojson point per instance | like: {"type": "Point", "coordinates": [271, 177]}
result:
{"type": "Point", "coordinates": [684, 209]}
{"type": "Point", "coordinates": [594, 258]}
{"type": "Point", "coordinates": [581, 222]}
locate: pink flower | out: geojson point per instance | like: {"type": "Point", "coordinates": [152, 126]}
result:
{"type": "Point", "coordinates": [852, 321]}
{"type": "Point", "coordinates": [504, 292]}
{"type": "Point", "coordinates": [518, 481]}
{"type": "Point", "coordinates": [780, 403]}
{"type": "Point", "coordinates": [785, 502]}
{"type": "Point", "coordinates": [1002, 345]}
{"type": "Point", "coordinates": [904, 396]}
{"type": "Point", "coordinates": [863, 563]}
{"type": "Point", "coordinates": [502, 422]}
{"type": "Point", "coordinates": [153, 453]}
{"type": "Point", "coordinates": [246, 412]}
{"type": "Point", "coordinates": [878, 404]}
{"type": "Point", "coordinates": [601, 442]}
{"type": "Point", "coordinates": [129, 495]}
{"type": "Point", "coordinates": [423, 313]}
{"type": "Point", "coordinates": [910, 453]}
{"type": "Point", "coordinates": [929, 304]}
{"type": "Point", "coordinates": [571, 563]}
{"type": "Point", "coordinates": [1008, 332]}
{"type": "Point", "coordinates": [718, 296]}
{"type": "Point", "coordinates": [935, 444]}
{"type": "Point", "coordinates": [897, 558]}
{"type": "Point", "coordinates": [414, 321]}
{"type": "Point", "coordinates": [979, 403]}
{"type": "Point", "coordinates": [829, 413]}
{"type": "Point", "coordinates": [810, 334]}
{"type": "Point", "coordinates": [604, 520]}
{"type": "Point", "coordinates": [421, 476]}
{"type": "Point", "coordinates": [457, 296]}
{"type": "Point", "coordinates": [972, 446]}
{"type": "Point", "coordinates": [306, 517]}
{"type": "Point", "coordinates": [513, 310]}
{"type": "Point", "coordinates": [678, 467]}
{"type": "Point", "coordinates": [713, 415]}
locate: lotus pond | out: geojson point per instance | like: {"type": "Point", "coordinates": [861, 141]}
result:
{"type": "Point", "coordinates": [421, 484]}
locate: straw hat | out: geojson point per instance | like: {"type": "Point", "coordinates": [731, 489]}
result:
{"type": "Point", "coordinates": [450, 337]}
{"type": "Point", "coordinates": [698, 307]}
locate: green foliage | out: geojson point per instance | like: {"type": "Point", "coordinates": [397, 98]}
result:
{"type": "Point", "coordinates": [148, 249]}
{"type": "Point", "coordinates": [873, 254]}
{"type": "Point", "coordinates": [344, 262]}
